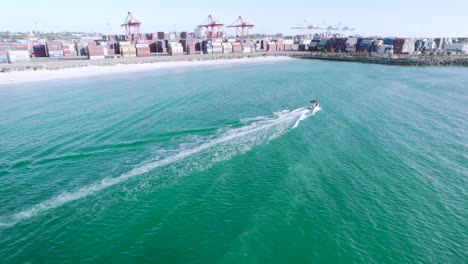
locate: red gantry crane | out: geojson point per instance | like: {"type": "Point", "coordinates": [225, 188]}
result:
{"type": "Point", "coordinates": [212, 27]}
{"type": "Point", "coordinates": [129, 24]}
{"type": "Point", "coordinates": [242, 28]}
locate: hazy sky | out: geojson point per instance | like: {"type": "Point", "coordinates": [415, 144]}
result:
{"type": "Point", "coordinates": [369, 17]}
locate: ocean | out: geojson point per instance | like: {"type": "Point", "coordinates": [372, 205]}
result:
{"type": "Point", "coordinates": [222, 164]}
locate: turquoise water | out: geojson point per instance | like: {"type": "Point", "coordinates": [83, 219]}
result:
{"type": "Point", "coordinates": [201, 165]}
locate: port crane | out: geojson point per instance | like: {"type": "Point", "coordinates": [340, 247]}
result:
{"type": "Point", "coordinates": [327, 29]}
{"type": "Point", "coordinates": [242, 28]}
{"type": "Point", "coordinates": [303, 28]}
{"type": "Point", "coordinates": [129, 24]}
{"type": "Point", "coordinates": [346, 28]}
{"type": "Point", "coordinates": [212, 27]}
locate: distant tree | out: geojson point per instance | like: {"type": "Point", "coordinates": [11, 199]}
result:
{"type": "Point", "coordinates": [278, 35]}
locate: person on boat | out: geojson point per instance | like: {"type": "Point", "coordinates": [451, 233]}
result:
{"type": "Point", "coordinates": [313, 104]}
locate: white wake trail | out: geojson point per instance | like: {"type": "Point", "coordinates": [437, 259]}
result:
{"type": "Point", "coordinates": [229, 143]}
{"type": "Point", "coordinates": [305, 114]}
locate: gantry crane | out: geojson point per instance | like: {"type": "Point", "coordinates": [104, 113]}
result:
{"type": "Point", "coordinates": [242, 28]}
{"type": "Point", "coordinates": [303, 29]}
{"type": "Point", "coordinates": [327, 29]}
{"type": "Point", "coordinates": [212, 27]}
{"type": "Point", "coordinates": [347, 28]}
{"type": "Point", "coordinates": [129, 24]}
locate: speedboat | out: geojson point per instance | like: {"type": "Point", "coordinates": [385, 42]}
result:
{"type": "Point", "coordinates": [314, 104]}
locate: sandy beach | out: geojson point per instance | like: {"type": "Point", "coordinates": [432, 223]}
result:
{"type": "Point", "coordinates": [53, 70]}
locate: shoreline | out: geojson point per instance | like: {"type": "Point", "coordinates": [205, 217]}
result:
{"type": "Point", "coordinates": [67, 69]}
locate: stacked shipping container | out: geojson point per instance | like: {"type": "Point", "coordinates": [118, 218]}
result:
{"type": "Point", "coordinates": [39, 50]}
{"type": "Point", "coordinates": [127, 50]}
{"type": "Point", "coordinates": [280, 45]}
{"type": "Point", "coordinates": [403, 46]}
{"type": "Point", "coordinates": [227, 47]}
{"type": "Point", "coordinates": [4, 48]}
{"type": "Point", "coordinates": [271, 46]}
{"type": "Point", "coordinates": [142, 50]}
{"type": "Point", "coordinates": [237, 47]}
{"type": "Point", "coordinates": [95, 51]}
{"type": "Point", "coordinates": [55, 49]}
{"type": "Point", "coordinates": [19, 53]}
{"type": "Point", "coordinates": [175, 48]}
{"type": "Point", "coordinates": [217, 47]}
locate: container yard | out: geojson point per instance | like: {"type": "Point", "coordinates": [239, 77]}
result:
{"type": "Point", "coordinates": [212, 40]}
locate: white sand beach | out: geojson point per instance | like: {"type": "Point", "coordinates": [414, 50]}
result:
{"type": "Point", "coordinates": [15, 77]}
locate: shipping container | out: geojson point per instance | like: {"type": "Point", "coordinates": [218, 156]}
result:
{"type": "Point", "coordinates": [321, 46]}
{"type": "Point", "coordinates": [57, 53]}
{"type": "Point", "coordinates": [142, 50]}
{"type": "Point", "coordinates": [39, 51]}
{"type": "Point", "coordinates": [351, 49]}
{"type": "Point", "coordinates": [127, 50]}
{"type": "Point", "coordinates": [388, 41]}
{"type": "Point", "coordinates": [54, 46]}
{"type": "Point", "coordinates": [271, 47]}
{"type": "Point", "coordinates": [227, 47]}
{"type": "Point", "coordinates": [456, 48]}
{"type": "Point", "coordinates": [175, 48]}
{"type": "Point", "coordinates": [96, 57]}
{"type": "Point", "coordinates": [20, 46]}
{"type": "Point", "coordinates": [3, 58]}
{"type": "Point", "coordinates": [6, 46]}
{"type": "Point", "coordinates": [18, 56]}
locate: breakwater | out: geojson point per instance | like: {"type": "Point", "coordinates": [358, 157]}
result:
{"type": "Point", "coordinates": [417, 60]}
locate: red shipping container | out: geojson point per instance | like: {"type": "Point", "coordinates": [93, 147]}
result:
{"type": "Point", "coordinates": [271, 47]}
{"type": "Point", "coordinates": [20, 47]}
{"type": "Point", "coordinates": [143, 52]}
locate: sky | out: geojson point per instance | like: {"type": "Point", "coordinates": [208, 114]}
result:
{"type": "Point", "coordinates": [402, 18]}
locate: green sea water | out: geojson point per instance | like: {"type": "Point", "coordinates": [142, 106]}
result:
{"type": "Point", "coordinates": [203, 165]}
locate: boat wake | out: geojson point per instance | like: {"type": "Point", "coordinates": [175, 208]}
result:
{"type": "Point", "coordinates": [306, 113]}
{"type": "Point", "coordinates": [200, 155]}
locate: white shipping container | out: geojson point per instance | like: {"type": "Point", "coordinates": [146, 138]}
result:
{"type": "Point", "coordinates": [55, 53]}
{"type": "Point", "coordinates": [456, 47]}
{"type": "Point", "coordinates": [18, 56]}
{"type": "Point", "coordinates": [246, 50]}
{"type": "Point", "coordinates": [96, 57]}
{"type": "Point", "coordinates": [72, 49]}
{"type": "Point", "coordinates": [288, 41]}
{"type": "Point", "coordinates": [3, 59]}
{"type": "Point", "coordinates": [142, 45]}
